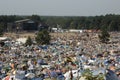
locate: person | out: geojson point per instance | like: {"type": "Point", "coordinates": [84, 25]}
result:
{"type": "Point", "coordinates": [71, 74]}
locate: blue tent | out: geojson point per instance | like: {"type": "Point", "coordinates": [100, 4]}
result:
{"type": "Point", "coordinates": [111, 75]}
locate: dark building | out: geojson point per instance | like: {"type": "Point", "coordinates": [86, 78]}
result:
{"type": "Point", "coordinates": [26, 25]}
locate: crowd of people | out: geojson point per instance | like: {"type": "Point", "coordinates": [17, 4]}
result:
{"type": "Point", "coordinates": [65, 58]}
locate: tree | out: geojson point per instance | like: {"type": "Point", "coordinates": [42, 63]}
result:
{"type": "Point", "coordinates": [1, 29]}
{"type": "Point", "coordinates": [36, 18]}
{"type": "Point", "coordinates": [43, 37]}
{"type": "Point", "coordinates": [28, 41]}
{"type": "Point", "coordinates": [88, 74]}
{"type": "Point", "coordinates": [104, 36]}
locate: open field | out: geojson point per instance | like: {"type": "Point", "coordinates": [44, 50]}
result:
{"type": "Point", "coordinates": [32, 34]}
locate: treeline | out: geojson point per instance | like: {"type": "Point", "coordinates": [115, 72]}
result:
{"type": "Point", "coordinates": [110, 21]}
{"type": "Point", "coordinates": [5, 19]}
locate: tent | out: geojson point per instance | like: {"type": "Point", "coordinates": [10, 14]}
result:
{"type": "Point", "coordinates": [22, 40]}
{"type": "Point", "coordinates": [3, 38]}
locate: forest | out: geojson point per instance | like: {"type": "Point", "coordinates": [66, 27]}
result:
{"type": "Point", "coordinates": [109, 21]}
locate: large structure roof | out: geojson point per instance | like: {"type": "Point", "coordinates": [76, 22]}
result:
{"type": "Point", "coordinates": [22, 20]}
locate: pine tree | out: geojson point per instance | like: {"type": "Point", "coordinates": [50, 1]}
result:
{"type": "Point", "coordinates": [1, 29]}
{"type": "Point", "coordinates": [43, 37]}
{"type": "Point", "coordinates": [104, 36]}
{"type": "Point", "coordinates": [29, 41]}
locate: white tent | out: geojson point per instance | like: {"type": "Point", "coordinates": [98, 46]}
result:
{"type": "Point", "coordinates": [30, 75]}
{"type": "Point", "coordinates": [75, 73]}
{"type": "Point", "coordinates": [22, 40]}
{"type": "Point", "coordinates": [3, 38]}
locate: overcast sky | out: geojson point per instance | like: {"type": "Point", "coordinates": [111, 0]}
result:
{"type": "Point", "coordinates": [59, 7]}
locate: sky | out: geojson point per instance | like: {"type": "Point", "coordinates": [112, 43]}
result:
{"type": "Point", "coordinates": [59, 7]}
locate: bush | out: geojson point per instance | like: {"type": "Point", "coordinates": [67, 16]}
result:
{"type": "Point", "coordinates": [43, 37]}
{"type": "Point", "coordinates": [29, 41]}
{"type": "Point", "coordinates": [89, 76]}
{"type": "Point", "coordinates": [104, 36]}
